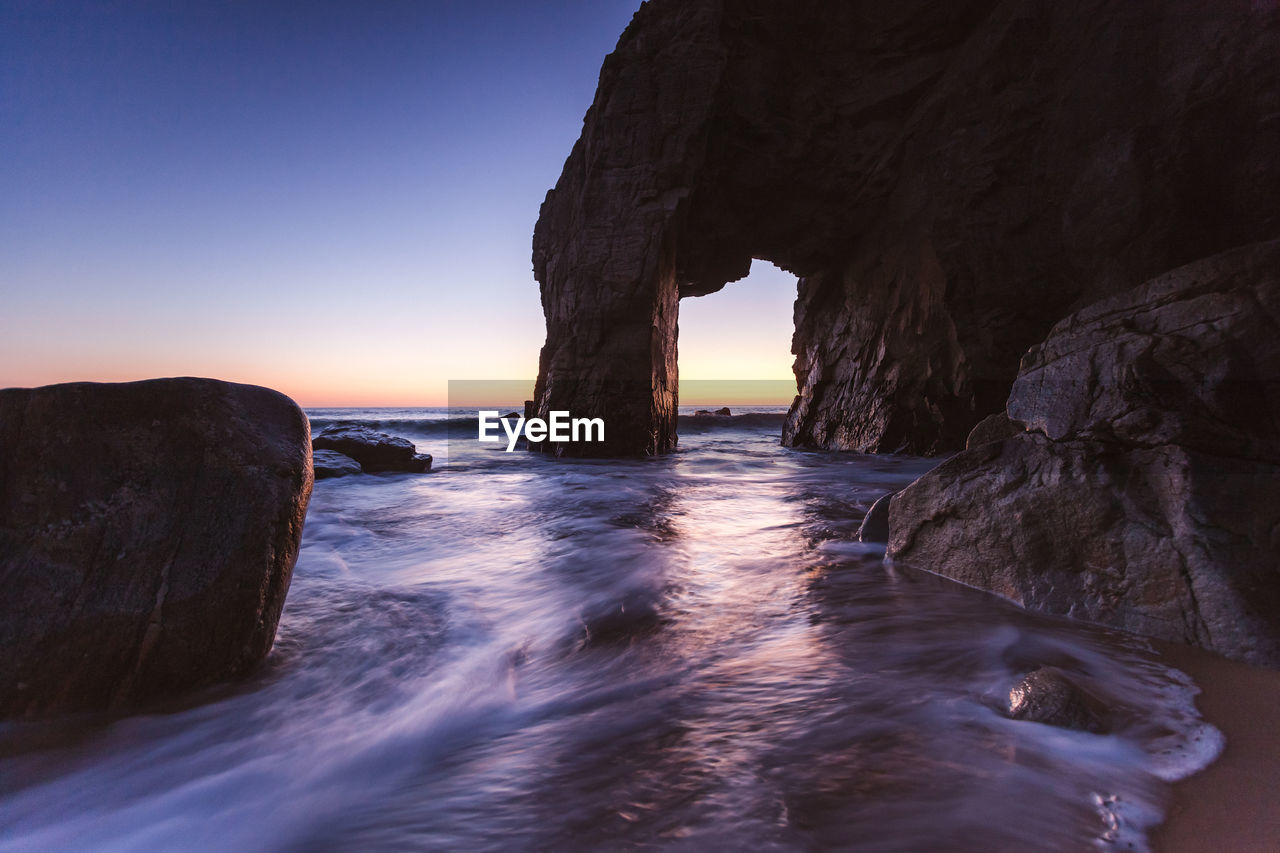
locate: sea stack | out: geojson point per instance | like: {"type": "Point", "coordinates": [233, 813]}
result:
{"type": "Point", "coordinates": [947, 180]}
{"type": "Point", "coordinates": [148, 532]}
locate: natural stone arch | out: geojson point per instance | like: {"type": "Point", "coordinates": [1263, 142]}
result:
{"type": "Point", "coordinates": [947, 182]}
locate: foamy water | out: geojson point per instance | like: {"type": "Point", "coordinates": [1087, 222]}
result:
{"type": "Point", "coordinates": [689, 653]}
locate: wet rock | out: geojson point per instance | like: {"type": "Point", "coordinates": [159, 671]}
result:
{"type": "Point", "coordinates": [148, 532]}
{"type": "Point", "coordinates": [995, 427]}
{"type": "Point", "coordinates": [1048, 695]}
{"type": "Point", "coordinates": [707, 413]}
{"type": "Point", "coordinates": [1146, 492]}
{"type": "Point", "coordinates": [875, 525]}
{"type": "Point", "coordinates": [943, 178]}
{"type": "Point", "coordinates": [375, 451]}
{"type": "Point", "coordinates": [331, 463]}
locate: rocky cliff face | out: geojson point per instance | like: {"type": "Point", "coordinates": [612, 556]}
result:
{"type": "Point", "coordinates": [948, 180]}
{"type": "Point", "coordinates": [1144, 492]}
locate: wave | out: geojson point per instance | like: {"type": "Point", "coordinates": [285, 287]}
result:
{"type": "Point", "coordinates": [396, 426]}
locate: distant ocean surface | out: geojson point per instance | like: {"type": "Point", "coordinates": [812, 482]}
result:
{"type": "Point", "coordinates": [683, 653]}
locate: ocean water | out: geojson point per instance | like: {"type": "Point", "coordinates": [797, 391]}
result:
{"type": "Point", "coordinates": [683, 653]}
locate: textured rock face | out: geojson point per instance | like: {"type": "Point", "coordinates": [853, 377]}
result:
{"type": "Point", "coordinates": [1146, 492]}
{"type": "Point", "coordinates": [374, 451]}
{"type": "Point", "coordinates": [148, 532]}
{"type": "Point", "coordinates": [948, 180]}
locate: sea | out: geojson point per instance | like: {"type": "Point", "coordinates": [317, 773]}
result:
{"type": "Point", "coordinates": [689, 652]}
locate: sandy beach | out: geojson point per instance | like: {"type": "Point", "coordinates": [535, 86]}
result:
{"type": "Point", "coordinates": [1234, 805]}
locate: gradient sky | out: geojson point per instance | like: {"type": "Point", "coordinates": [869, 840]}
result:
{"type": "Point", "coordinates": [332, 199]}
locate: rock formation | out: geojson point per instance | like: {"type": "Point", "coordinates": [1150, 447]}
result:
{"type": "Point", "coordinates": [374, 451]}
{"type": "Point", "coordinates": [148, 532]}
{"type": "Point", "coordinates": [948, 180]}
{"type": "Point", "coordinates": [1144, 492]}
{"type": "Point", "coordinates": [1049, 695]}
{"type": "Point", "coordinates": [330, 463]}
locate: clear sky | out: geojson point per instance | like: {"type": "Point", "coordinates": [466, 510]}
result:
{"type": "Point", "coordinates": [332, 199]}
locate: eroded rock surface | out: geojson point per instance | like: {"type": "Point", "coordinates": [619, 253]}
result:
{"type": "Point", "coordinates": [948, 180]}
{"type": "Point", "coordinates": [148, 532]}
{"type": "Point", "coordinates": [1146, 492]}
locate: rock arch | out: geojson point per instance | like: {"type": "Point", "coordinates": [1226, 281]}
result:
{"type": "Point", "coordinates": [947, 180]}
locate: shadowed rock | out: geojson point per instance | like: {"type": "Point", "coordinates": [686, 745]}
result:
{"type": "Point", "coordinates": [1146, 492]}
{"type": "Point", "coordinates": [996, 427]}
{"type": "Point", "coordinates": [148, 531]}
{"type": "Point", "coordinates": [875, 524]}
{"type": "Point", "coordinates": [947, 180]}
{"type": "Point", "coordinates": [331, 463]}
{"type": "Point", "coordinates": [375, 451]}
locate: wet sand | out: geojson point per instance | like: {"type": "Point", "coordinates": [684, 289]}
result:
{"type": "Point", "coordinates": [1234, 805]}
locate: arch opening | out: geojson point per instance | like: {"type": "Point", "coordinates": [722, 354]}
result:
{"type": "Point", "coordinates": [734, 347]}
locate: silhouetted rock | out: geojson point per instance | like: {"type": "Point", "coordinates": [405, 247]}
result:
{"type": "Point", "coordinates": [875, 525]}
{"type": "Point", "coordinates": [948, 180]}
{"type": "Point", "coordinates": [331, 463]}
{"type": "Point", "coordinates": [148, 531]}
{"type": "Point", "coordinates": [707, 413]}
{"type": "Point", "coordinates": [1048, 695]}
{"type": "Point", "coordinates": [1146, 492]}
{"type": "Point", "coordinates": [375, 451]}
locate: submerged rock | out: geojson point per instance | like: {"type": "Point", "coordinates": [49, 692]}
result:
{"type": "Point", "coordinates": [375, 451]}
{"type": "Point", "coordinates": [1048, 695]}
{"type": "Point", "coordinates": [148, 532]}
{"type": "Point", "coordinates": [331, 463]}
{"type": "Point", "coordinates": [1146, 492]}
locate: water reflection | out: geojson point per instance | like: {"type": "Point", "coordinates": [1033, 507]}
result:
{"type": "Point", "coordinates": [686, 653]}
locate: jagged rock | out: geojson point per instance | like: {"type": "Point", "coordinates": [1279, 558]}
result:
{"type": "Point", "coordinates": [1048, 695]}
{"type": "Point", "coordinates": [1146, 492]}
{"type": "Point", "coordinates": [331, 463]}
{"type": "Point", "coordinates": [948, 180]}
{"type": "Point", "coordinates": [996, 427]}
{"type": "Point", "coordinates": [148, 532]}
{"type": "Point", "coordinates": [707, 413]}
{"type": "Point", "coordinates": [875, 524]}
{"type": "Point", "coordinates": [375, 451]}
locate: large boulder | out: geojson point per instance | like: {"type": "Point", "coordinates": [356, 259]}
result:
{"type": "Point", "coordinates": [1145, 493]}
{"type": "Point", "coordinates": [375, 451]}
{"type": "Point", "coordinates": [148, 532]}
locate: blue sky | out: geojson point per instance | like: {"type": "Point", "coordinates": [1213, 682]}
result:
{"type": "Point", "coordinates": [332, 199]}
